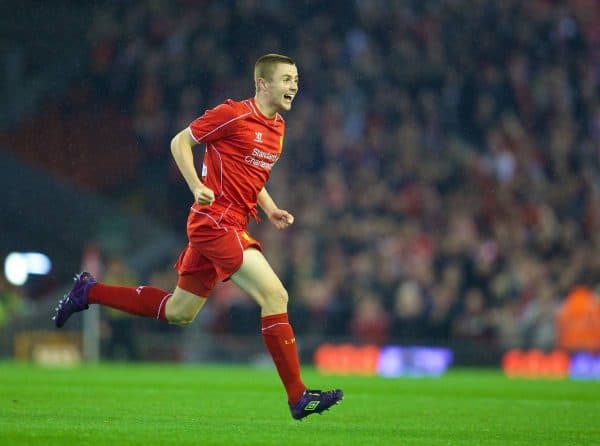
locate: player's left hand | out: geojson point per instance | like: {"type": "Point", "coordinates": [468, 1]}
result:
{"type": "Point", "coordinates": [281, 219]}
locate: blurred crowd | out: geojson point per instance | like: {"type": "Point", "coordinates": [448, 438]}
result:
{"type": "Point", "coordinates": [442, 159]}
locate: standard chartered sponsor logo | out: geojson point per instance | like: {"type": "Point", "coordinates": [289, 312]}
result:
{"type": "Point", "coordinates": [270, 156]}
{"type": "Point", "coordinates": [267, 162]}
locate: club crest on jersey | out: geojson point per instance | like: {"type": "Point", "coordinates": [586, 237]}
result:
{"type": "Point", "coordinates": [258, 137]}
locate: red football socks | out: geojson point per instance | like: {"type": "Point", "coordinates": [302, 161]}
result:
{"type": "Point", "coordinates": [281, 343]}
{"type": "Point", "coordinates": [142, 301]}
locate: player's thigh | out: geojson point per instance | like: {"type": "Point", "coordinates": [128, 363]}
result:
{"type": "Point", "coordinates": [257, 278]}
{"type": "Point", "coordinates": [183, 306]}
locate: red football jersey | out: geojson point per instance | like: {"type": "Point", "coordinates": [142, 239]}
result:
{"type": "Point", "coordinates": [242, 145]}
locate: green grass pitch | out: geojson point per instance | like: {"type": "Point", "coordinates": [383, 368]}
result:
{"type": "Point", "coordinates": [152, 404]}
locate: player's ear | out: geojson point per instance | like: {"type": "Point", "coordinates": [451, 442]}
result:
{"type": "Point", "coordinates": [262, 83]}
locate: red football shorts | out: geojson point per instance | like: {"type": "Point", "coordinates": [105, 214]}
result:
{"type": "Point", "coordinates": [217, 241]}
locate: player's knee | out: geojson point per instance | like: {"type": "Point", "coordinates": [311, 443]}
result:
{"type": "Point", "coordinates": [182, 307]}
{"type": "Point", "coordinates": [182, 321]}
{"type": "Point", "coordinates": [279, 296]}
{"type": "Point", "coordinates": [276, 301]}
{"type": "Point", "coordinates": [181, 317]}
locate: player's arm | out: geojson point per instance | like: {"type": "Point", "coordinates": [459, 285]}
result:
{"type": "Point", "coordinates": [280, 218]}
{"type": "Point", "coordinates": [181, 149]}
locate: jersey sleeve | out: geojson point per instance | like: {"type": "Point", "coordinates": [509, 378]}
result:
{"type": "Point", "coordinates": [214, 124]}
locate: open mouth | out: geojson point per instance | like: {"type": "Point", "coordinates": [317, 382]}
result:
{"type": "Point", "coordinates": [288, 97]}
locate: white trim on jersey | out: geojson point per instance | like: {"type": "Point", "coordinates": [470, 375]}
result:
{"type": "Point", "coordinates": [248, 102]}
{"type": "Point", "coordinates": [257, 113]}
{"type": "Point", "coordinates": [219, 127]}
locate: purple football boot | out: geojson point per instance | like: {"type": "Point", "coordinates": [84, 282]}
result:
{"type": "Point", "coordinates": [75, 300]}
{"type": "Point", "coordinates": [315, 401]}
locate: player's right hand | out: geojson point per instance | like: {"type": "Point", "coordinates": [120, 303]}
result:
{"type": "Point", "coordinates": [204, 195]}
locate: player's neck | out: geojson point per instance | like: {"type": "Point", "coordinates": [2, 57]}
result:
{"type": "Point", "coordinates": [265, 109]}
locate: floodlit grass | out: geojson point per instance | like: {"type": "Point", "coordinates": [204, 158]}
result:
{"type": "Point", "coordinates": [149, 404]}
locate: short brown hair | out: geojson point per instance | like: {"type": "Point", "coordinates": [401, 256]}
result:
{"type": "Point", "coordinates": [265, 65]}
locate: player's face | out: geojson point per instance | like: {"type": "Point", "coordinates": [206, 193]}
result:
{"type": "Point", "coordinates": [284, 86]}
